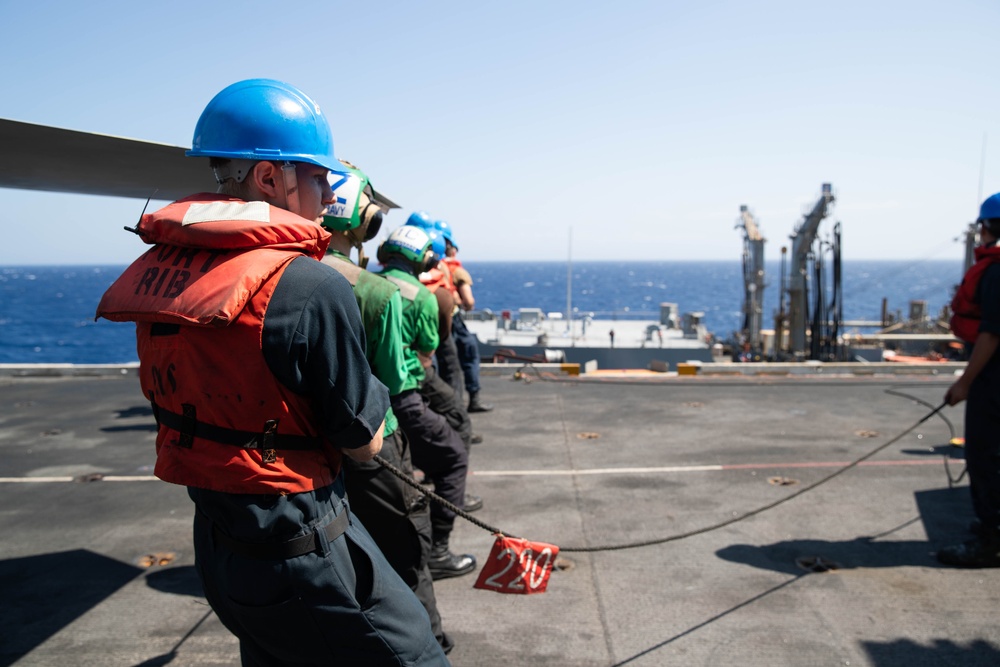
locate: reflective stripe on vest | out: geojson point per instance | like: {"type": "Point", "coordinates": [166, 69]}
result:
{"type": "Point", "coordinates": [407, 290]}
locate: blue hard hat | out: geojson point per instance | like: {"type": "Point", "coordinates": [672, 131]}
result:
{"type": "Point", "coordinates": [445, 230]}
{"type": "Point", "coordinates": [420, 219]}
{"type": "Point", "coordinates": [437, 243]}
{"type": "Point", "coordinates": [990, 210]}
{"type": "Point", "coordinates": [264, 119]}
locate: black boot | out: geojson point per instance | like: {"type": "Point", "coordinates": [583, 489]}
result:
{"type": "Point", "coordinates": [981, 551]}
{"type": "Point", "coordinates": [475, 405]}
{"type": "Point", "coordinates": [473, 502]}
{"type": "Point", "coordinates": [444, 564]}
{"type": "Point", "coordinates": [446, 642]}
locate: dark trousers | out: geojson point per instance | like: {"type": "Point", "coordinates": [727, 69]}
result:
{"type": "Point", "coordinates": [442, 399]}
{"type": "Point", "coordinates": [397, 517]}
{"type": "Point", "coordinates": [982, 449]}
{"type": "Point", "coordinates": [339, 604]}
{"type": "Point", "coordinates": [449, 367]}
{"type": "Point", "coordinates": [435, 448]}
{"type": "Point", "coordinates": [468, 352]}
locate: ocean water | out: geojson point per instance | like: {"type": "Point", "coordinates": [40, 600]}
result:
{"type": "Point", "coordinates": [47, 313]}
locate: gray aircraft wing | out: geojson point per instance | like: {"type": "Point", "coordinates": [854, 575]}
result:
{"type": "Point", "coordinates": [52, 159]}
{"type": "Point", "coordinates": [40, 157]}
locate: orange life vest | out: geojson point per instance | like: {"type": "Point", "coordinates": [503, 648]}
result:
{"type": "Point", "coordinates": [198, 298]}
{"type": "Point", "coordinates": [438, 277]}
{"type": "Point", "coordinates": [966, 310]}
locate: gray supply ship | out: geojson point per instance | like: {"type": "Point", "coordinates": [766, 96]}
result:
{"type": "Point", "coordinates": [594, 343]}
{"type": "Point", "coordinates": [808, 324]}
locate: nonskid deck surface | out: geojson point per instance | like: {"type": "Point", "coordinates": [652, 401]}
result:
{"type": "Point", "coordinates": [100, 572]}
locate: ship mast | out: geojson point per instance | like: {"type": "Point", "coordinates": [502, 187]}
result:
{"type": "Point", "coordinates": [753, 279]}
{"type": "Point", "coordinates": [802, 242]}
{"type": "Point", "coordinates": [569, 288]}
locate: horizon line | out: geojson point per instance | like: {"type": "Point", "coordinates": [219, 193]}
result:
{"type": "Point", "coordinates": [737, 260]}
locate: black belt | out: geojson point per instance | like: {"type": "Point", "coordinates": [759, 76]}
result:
{"type": "Point", "coordinates": [267, 438]}
{"type": "Point", "coordinates": [298, 546]}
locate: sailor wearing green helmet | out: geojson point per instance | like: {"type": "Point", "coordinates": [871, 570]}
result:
{"type": "Point", "coordinates": [436, 447]}
{"type": "Point", "coordinates": [397, 516]}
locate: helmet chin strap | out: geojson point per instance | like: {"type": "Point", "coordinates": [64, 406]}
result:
{"type": "Point", "coordinates": [291, 187]}
{"type": "Point", "coordinates": [357, 240]}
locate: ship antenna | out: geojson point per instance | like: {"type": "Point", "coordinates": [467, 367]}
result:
{"type": "Point", "coordinates": [569, 288]}
{"type": "Point", "coordinates": [982, 169]}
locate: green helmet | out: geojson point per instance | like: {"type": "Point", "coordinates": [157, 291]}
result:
{"type": "Point", "coordinates": [412, 245]}
{"type": "Point", "coordinates": [353, 202]}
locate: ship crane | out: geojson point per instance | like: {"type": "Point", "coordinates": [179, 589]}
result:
{"type": "Point", "coordinates": [797, 292]}
{"type": "Point", "coordinates": [753, 280]}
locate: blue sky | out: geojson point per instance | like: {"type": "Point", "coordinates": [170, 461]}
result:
{"type": "Point", "coordinates": [642, 125]}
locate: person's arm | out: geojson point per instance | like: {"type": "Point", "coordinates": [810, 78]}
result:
{"type": "Point", "coordinates": [367, 452]}
{"type": "Point", "coordinates": [386, 355]}
{"type": "Point", "coordinates": [465, 297]}
{"type": "Point", "coordinates": [428, 326]}
{"type": "Point", "coordinates": [463, 282]}
{"type": "Point", "coordinates": [988, 339]}
{"type": "Point", "coordinates": [986, 345]}
{"type": "Point", "coordinates": [445, 304]}
{"type": "Point", "coordinates": [313, 342]}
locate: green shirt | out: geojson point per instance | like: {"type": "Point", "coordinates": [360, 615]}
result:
{"type": "Point", "coordinates": [382, 316]}
{"type": "Point", "coordinates": [420, 324]}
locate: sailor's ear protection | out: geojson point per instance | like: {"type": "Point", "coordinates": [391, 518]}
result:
{"type": "Point", "coordinates": [371, 214]}
{"type": "Point", "coordinates": [429, 262]}
{"type": "Point", "coordinates": [380, 253]}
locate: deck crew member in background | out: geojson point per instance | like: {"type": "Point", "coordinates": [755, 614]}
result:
{"type": "Point", "coordinates": [465, 340]}
{"type": "Point", "coordinates": [438, 281]}
{"type": "Point", "coordinates": [441, 396]}
{"type": "Point", "coordinates": [436, 447]}
{"type": "Point", "coordinates": [438, 276]}
{"type": "Point", "coordinates": [976, 320]}
{"type": "Point", "coordinates": [396, 515]}
{"type": "Point", "coordinates": [252, 355]}
{"type": "Point", "coordinates": [442, 386]}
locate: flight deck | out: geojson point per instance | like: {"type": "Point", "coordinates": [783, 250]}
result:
{"type": "Point", "coordinates": [96, 563]}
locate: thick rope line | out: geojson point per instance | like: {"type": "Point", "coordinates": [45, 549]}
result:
{"type": "Point", "coordinates": [952, 481]}
{"type": "Point", "coordinates": [759, 510]}
{"type": "Point", "coordinates": [671, 538]}
{"type": "Point", "coordinates": [407, 479]}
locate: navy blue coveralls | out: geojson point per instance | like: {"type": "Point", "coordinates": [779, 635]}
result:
{"type": "Point", "coordinates": [468, 352]}
{"type": "Point", "coordinates": [341, 602]}
{"type": "Point", "coordinates": [982, 415]}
